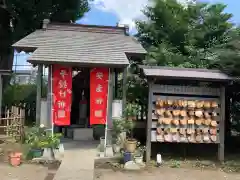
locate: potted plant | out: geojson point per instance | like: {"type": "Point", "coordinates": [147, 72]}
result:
{"type": "Point", "coordinates": [128, 125]}
{"type": "Point", "coordinates": [33, 137]}
{"type": "Point", "coordinates": [138, 155]}
{"type": "Point", "coordinates": [49, 143]}
{"type": "Point", "coordinates": [117, 139]}
{"type": "Point", "coordinates": [130, 142]}
{"type": "Point", "coordinates": [15, 158]}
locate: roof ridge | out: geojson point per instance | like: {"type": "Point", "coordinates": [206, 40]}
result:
{"type": "Point", "coordinates": [86, 25]}
{"type": "Point", "coordinates": [182, 69]}
{"type": "Point", "coordinates": [86, 28]}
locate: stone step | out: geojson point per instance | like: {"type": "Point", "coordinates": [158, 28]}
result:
{"type": "Point", "coordinates": [82, 134]}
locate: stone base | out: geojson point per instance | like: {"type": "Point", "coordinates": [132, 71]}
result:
{"type": "Point", "coordinates": [44, 161]}
{"type": "Point", "coordinates": [82, 134]}
{"type": "Point", "coordinates": [131, 165]}
{"type": "Point", "coordinates": [69, 133]}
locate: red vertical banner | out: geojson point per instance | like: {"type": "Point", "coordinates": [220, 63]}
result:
{"type": "Point", "coordinates": [62, 94]}
{"type": "Point", "coordinates": [98, 95]}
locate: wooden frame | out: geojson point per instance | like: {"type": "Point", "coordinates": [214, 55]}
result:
{"type": "Point", "coordinates": [218, 93]}
{"type": "Point", "coordinates": [149, 122]}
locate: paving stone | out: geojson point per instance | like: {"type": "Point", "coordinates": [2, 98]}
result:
{"type": "Point", "coordinates": [131, 165]}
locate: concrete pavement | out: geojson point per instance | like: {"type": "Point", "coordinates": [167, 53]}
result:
{"type": "Point", "coordinates": [78, 161]}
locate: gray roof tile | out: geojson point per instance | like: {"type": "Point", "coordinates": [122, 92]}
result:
{"type": "Point", "coordinates": [80, 44]}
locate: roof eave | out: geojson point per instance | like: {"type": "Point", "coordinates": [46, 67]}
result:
{"type": "Point", "coordinates": [25, 49]}
{"type": "Point", "coordinates": [187, 78]}
{"type": "Point", "coordinates": [223, 78]}
{"type": "Point", "coordinates": [77, 64]}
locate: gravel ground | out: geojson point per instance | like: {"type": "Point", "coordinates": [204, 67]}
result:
{"type": "Point", "coordinates": [165, 173]}
{"type": "Point", "coordinates": [36, 172]}
{"type": "Point", "coordinates": [23, 172]}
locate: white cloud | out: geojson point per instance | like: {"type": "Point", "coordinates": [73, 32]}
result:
{"type": "Point", "coordinates": [127, 11]}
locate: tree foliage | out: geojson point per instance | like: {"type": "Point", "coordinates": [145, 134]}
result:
{"type": "Point", "coordinates": [196, 35]}
{"type": "Point", "coordinates": [19, 18]}
{"type": "Point", "coordinates": [177, 35]}
{"type": "Point", "coordinates": [27, 16]}
{"type": "Point", "coordinates": [185, 36]}
{"type": "Point", "coordinates": [22, 94]}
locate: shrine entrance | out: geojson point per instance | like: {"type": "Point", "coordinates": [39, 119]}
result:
{"type": "Point", "coordinates": [76, 114]}
{"type": "Point", "coordinates": [80, 48]}
{"type": "Point", "coordinates": [80, 106]}
{"type": "Point", "coordinates": [80, 109]}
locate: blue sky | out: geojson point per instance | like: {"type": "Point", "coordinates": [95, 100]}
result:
{"type": "Point", "coordinates": [101, 16]}
{"type": "Point", "coordinates": [110, 12]}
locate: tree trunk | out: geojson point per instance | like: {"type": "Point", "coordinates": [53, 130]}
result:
{"type": "Point", "coordinates": [6, 50]}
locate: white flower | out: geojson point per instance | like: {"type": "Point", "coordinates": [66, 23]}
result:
{"type": "Point", "coordinates": [41, 125]}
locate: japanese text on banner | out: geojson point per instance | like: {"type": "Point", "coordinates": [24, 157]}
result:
{"type": "Point", "coordinates": [62, 90]}
{"type": "Point", "coordinates": [98, 95]}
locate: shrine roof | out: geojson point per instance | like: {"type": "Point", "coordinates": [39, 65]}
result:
{"type": "Point", "coordinates": [80, 44]}
{"type": "Point", "coordinates": [185, 73]}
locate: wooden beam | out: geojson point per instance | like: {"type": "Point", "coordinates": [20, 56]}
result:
{"type": "Point", "coordinates": [110, 98]}
{"type": "Point", "coordinates": [39, 94]}
{"type": "Point", "coordinates": [149, 122]}
{"type": "Point", "coordinates": [221, 146]}
{"type": "Point", "coordinates": [124, 89]}
{"type": "Point", "coordinates": [186, 90]}
{"type": "Point", "coordinates": [115, 84]}
{"type": "Point", "coordinates": [1, 89]}
{"type": "Point", "coordinates": [109, 108]}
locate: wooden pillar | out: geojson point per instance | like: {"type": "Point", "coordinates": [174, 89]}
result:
{"type": "Point", "coordinates": [110, 100]}
{"type": "Point", "coordinates": [49, 97]}
{"type": "Point", "coordinates": [124, 89]}
{"type": "Point", "coordinates": [221, 148]}
{"type": "Point", "coordinates": [1, 89]}
{"type": "Point", "coordinates": [39, 94]}
{"type": "Point", "coordinates": [228, 114]}
{"type": "Point", "coordinates": [115, 95]}
{"type": "Point", "coordinates": [149, 122]}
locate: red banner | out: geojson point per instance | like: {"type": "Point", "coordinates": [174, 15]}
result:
{"type": "Point", "coordinates": [62, 94]}
{"type": "Point", "coordinates": [98, 95]}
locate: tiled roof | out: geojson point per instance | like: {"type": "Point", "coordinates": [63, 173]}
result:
{"type": "Point", "coordinates": [80, 44]}
{"type": "Point", "coordinates": [185, 73]}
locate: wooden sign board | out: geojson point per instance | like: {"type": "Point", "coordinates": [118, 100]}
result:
{"type": "Point", "coordinates": [187, 93]}
{"type": "Point", "coordinates": [187, 90]}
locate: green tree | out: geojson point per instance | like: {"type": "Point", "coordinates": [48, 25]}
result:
{"type": "Point", "coordinates": [177, 35]}
{"type": "Point", "coordinates": [19, 18]}
{"type": "Point", "coordinates": [24, 96]}
{"type": "Point", "coordinates": [198, 35]}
